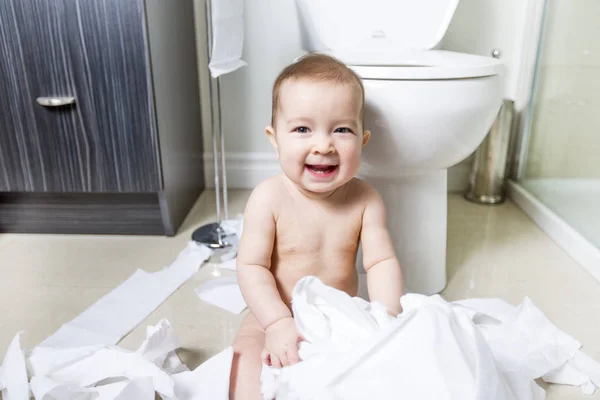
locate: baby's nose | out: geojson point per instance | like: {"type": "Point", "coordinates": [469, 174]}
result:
{"type": "Point", "coordinates": [323, 145]}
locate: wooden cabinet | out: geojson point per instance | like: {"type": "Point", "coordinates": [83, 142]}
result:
{"type": "Point", "coordinates": [99, 111]}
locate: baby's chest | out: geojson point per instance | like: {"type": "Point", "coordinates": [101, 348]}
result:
{"type": "Point", "coordinates": [317, 234]}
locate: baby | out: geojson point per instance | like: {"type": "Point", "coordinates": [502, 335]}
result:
{"type": "Point", "coordinates": [310, 219]}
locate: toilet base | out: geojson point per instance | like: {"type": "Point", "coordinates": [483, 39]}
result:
{"type": "Point", "coordinates": [416, 208]}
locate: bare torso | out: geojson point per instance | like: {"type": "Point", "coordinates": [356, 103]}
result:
{"type": "Point", "coordinates": [317, 237]}
{"type": "Point", "coordinates": [290, 235]}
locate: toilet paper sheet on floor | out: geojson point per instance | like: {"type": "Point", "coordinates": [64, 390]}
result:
{"type": "Point", "coordinates": [104, 323]}
{"type": "Point", "coordinates": [113, 316]}
{"type": "Point", "coordinates": [47, 372]}
{"type": "Point", "coordinates": [106, 372]}
{"type": "Point", "coordinates": [224, 293]}
{"type": "Point", "coordinates": [352, 350]}
{"type": "Point", "coordinates": [434, 350]}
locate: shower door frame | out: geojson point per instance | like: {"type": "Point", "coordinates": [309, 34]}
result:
{"type": "Point", "coordinates": [586, 254]}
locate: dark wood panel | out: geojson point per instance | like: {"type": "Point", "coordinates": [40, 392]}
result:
{"type": "Point", "coordinates": [174, 60]}
{"type": "Point", "coordinates": [81, 213]}
{"type": "Point", "coordinates": [111, 73]}
{"type": "Point", "coordinates": [94, 50]}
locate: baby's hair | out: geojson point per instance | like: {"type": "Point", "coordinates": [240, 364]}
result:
{"type": "Point", "coordinates": [316, 67]}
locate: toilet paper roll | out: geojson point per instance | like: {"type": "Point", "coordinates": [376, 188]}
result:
{"type": "Point", "coordinates": [227, 36]}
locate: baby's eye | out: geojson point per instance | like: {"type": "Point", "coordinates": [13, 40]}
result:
{"type": "Point", "coordinates": [301, 129]}
{"type": "Point", "coordinates": [343, 130]}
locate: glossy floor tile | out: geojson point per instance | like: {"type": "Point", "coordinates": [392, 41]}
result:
{"type": "Point", "coordinates": [45, 280]}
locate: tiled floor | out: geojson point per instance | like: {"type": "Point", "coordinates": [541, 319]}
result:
{"type": "Point", "coordinates": [46, 280]}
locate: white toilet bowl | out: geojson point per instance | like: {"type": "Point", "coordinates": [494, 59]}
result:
{"type": "Point", "coordinates": [427, 110]}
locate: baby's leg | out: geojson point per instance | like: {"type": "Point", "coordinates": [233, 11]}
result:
{"type": "Point", "coordinates": [247, 364]}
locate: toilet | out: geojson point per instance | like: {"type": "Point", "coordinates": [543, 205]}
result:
{"type": "Point", "coordinates": [427, 109]}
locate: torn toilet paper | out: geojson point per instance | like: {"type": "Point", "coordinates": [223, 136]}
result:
{"type": "Point", "coordinates": [116, 314]}
{"type": "Point", "coordinates": [108, 372]}
{"type": "Point", "coordinates": [80, 359]}
{"type": "Point", "coordinates": [227, 36]}
{"type": "Point", "coordinates": [352, 349]}
{"type": "Point", "coordinates": [234, 226]}
{"type": "Point", "coordinates": [433, 349]}
{"type": "Point", "coordinates": [103, 323]}
{"type": "Point", "coordinates": [13, 372]}
{"type": "Point", "coordinates": [224, 293]}
{"type": "Point", "coordinates": [229, 264]}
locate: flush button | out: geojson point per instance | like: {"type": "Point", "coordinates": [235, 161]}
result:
{"type": "Point", "coordinates": [378, 34]}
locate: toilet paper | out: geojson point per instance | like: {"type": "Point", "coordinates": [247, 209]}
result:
{"type": "Point", "coordinates": [472, 349]}
{"type": "Point", "coordinates": [227, 36]}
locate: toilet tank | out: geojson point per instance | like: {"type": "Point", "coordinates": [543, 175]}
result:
{"type": "Point", "coordinates": [359, 25]}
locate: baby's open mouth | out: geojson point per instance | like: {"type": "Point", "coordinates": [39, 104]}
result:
{"type": "Point", "coordinates": [322, 169]}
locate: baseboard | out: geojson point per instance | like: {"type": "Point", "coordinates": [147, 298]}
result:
{"type": "Point", "coordinates": [246, 170]}
{"type": "Point", "coordinates": [577, 246]}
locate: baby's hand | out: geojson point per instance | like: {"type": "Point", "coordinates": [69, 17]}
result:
{"type": "Point", "coordinates": [281, 344]}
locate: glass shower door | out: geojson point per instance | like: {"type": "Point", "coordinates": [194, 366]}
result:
{"type": "Point", "coordinates": [560, 162]}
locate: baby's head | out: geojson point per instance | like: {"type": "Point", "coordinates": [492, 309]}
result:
{"type": "Point", "coordinates": [317, 123]}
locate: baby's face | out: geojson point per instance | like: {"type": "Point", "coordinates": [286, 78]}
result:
{"type": "Point", "coordinates": [318, 134]}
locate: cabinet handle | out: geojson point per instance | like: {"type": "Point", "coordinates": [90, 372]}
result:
{"type": "Point", "coordinates": [55, 101]}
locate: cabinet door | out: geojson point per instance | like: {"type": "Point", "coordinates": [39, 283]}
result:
{"type": "Point", "coordinates": [95, 52]}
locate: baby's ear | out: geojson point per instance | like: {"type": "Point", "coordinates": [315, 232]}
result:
{"type": "Point", "coordinates": [272, 138]}
{"type": "Point", "coordinates": [366, 137]}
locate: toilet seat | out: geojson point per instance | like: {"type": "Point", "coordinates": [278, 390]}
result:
{"type": "Point", "coordinates": [390, 39]}
{"type": "Point", "coordinates": [412, 64]}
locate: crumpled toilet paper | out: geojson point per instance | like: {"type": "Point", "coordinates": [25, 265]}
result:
{"type": "Point", "coordinates": [108, 372]}
{"type": "Point", "coordinates": [80, 360]}
{"type": "Point", "coordinates": [13, 372]}
{"type": "Point", "coordinates": [352, 349]}
{"type": "Point", "coordinates": [480, 348]}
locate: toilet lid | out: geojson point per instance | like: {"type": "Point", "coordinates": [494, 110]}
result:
{"type": "Point", "coordinates": [380, 25]}
{"type": "Point", "coordinates": [420, 24]}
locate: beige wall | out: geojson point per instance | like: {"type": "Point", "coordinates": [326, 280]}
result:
{"type": "Point", "coordinates": [565, 138]}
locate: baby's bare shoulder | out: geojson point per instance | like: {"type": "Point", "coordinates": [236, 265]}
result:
{"type": "Point", "coordinates": [266, 195]}
{"type": "Point", "coordinates": [269, 186]}
{"type": "Point", "coordinates": [362, 191]}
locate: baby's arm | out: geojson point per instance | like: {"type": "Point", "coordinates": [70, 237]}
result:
{"type": "Point", "coordinates": [257, 283]}
{"type": "Point", "coordinates": [384, 276]}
